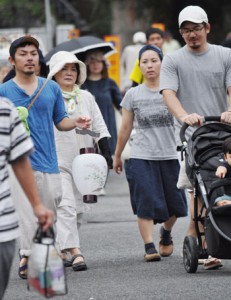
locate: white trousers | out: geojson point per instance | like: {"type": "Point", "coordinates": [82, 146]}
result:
{"type": "Point", "coordinates": [68, 225]}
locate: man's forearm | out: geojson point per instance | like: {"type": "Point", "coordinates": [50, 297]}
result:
{"type": "Point", "coordinates": [174, 104]}
{"type": "Point", "coordinates": [229, 99]}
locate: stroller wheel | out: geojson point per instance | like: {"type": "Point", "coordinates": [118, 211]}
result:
{"type": "Point", "coordinates": [190, 254]}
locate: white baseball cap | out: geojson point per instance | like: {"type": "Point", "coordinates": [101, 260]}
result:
{"type": "Point", "coordinates": [139, 37]}
{"type": "Point", "coordinates": [194, 14]}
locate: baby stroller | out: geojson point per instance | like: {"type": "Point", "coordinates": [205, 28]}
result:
{"type": "Point", "coordinates": [203, 154]}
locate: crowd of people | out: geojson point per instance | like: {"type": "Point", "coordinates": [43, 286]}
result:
{"type": "Point", "coordinates": [41, 107]}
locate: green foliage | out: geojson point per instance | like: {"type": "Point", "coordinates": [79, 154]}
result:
{"type": "Point", "coordinates": [33, 6]}
{"type": "Point", "coordinates": [101, 17]}
{"type": "Point", "coordinates": [24, 11]}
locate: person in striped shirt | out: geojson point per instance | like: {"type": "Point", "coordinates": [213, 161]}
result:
{"type": "Point", "coordinates": [15, 146]}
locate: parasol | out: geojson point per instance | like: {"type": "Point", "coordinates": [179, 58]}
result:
{"type": "Point", "coordinates": [81, 45]}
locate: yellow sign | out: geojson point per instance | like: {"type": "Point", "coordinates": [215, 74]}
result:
{"type": "Point", "coordinates": [114, 59]}
{"type": "Point", "coordinates": [161, 26]}
{"type": "Point", "coordinates": [73, 33]}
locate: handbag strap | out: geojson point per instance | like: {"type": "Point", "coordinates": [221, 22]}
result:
{"type": "Point", "coordinates": [36, 96]}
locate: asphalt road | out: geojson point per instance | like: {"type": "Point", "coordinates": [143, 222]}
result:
{"type": "Point", "coordinates": [114, 252]}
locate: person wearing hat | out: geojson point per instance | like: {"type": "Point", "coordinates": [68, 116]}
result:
{"type": "Point", "coordinates": [41, 70]}
{"type": "Point", "coordinates": [70, 74]}
{"type": "Point", "coordinates": [153, 167]}
{"type": "Point", "coordinates": [128, 57]}
{"type": "Point", "coordinates": [194, 81]}
{"type": "Point", "coordinates": [45, 111]}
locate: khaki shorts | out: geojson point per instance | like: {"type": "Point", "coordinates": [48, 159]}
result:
{"type": "Point", "coordinates": [50, 189]}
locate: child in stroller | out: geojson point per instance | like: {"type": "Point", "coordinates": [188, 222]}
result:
{"type": "Point", "coordinates": [203, 155]}
{"type": "Point", "coordinates": [225, 171]}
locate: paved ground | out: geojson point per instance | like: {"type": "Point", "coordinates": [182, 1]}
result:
{"type": "Point", "coordinates": [114, 254]}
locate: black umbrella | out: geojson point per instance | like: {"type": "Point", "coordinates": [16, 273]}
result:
{"type": "Point", "coordinates": [80, 46]}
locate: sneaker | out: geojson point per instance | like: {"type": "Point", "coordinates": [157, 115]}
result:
{"type": "Point", "coordinates": [166, 243]}
{"type": "Point", "coordinates": [152, 255]}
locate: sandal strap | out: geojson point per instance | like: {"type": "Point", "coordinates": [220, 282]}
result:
{"type": "Point", "coordinates": [23, 268]}
{"type": "Point", "coordinates": [76, 256]}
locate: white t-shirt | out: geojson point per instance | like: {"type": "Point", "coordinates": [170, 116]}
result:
{"type": "Point", "coordinates": [154, 138]}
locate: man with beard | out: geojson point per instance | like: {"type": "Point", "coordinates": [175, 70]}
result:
{"type": "Point", "coordinates": [45, 112]}
{"type": "Point", "coordinates": [194, 81]}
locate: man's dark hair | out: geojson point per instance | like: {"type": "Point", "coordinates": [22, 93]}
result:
{"type": "Point", "coordinates": [21, 45]}
{"type": "Point", "coordinates": [22, 42]}
{"type": "Point", "coordinates": [153, 30]}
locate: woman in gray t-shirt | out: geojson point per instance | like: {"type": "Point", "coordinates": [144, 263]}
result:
{"type": "Point", "coordinates": [153, 167]}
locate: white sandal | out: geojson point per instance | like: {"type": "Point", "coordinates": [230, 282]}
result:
{"type": "Point", "coordinates": [212, 263]}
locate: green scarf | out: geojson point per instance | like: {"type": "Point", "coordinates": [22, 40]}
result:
{"type": "Point", "coordinates": [72, 98]}
{"type": "Point", "coordinates": [23, 115]}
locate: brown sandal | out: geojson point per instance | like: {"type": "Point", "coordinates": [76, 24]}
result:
{"type": "Point", "coordinates": [79, 266]}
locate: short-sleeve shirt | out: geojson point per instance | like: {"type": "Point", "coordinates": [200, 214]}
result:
{"type": "Point", "coordinates": [200, 80]}
{"type": "Point", "coordinates": [154, 138]}
{"type": "Point", "coordinates": [46, 110]}
{"type": "Point", "coordinates": [14, 143]}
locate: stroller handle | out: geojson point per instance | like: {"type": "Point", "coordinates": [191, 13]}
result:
{"type": "Point", "coordinates": [206, 119]}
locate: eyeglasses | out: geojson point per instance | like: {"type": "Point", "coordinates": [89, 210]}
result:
{"type": "Point", "coordinates": [187, 31]}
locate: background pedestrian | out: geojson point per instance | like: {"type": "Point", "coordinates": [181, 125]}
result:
{"type": "Point", "coordinates": [70, 73]}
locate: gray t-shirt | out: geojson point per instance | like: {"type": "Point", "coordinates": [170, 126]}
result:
{"type": "Point", "coordinates": [154, 138]}
{"type": "Point", "coordinates": [200, 80]}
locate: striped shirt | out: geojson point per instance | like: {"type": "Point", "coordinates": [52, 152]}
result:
{"type": "Point", "coordinates": [14, 143]}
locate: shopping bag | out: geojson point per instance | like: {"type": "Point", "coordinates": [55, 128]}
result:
{"type": "Point", "coordinates": [46, 272]}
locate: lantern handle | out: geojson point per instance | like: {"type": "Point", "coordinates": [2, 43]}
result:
{"type": "Point", "coordinates": [87, 131]}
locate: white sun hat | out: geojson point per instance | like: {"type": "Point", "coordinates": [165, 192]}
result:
{"type": "Point", "coordinates": [58, 61]}
{"type": "Point", "coordinates": [194, 14]}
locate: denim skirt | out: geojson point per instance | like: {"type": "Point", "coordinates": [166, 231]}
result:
{"type": "Point", "coordinates": [153, 191]}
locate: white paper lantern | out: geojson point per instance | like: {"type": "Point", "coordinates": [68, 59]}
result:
{"type": "Point", "coordinates": [90, 173]}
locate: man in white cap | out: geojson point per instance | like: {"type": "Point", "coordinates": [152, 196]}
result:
{"type": "Point", "coordinates": [194, 82]}
{"type": "Point", "coordinates": [44, 112]}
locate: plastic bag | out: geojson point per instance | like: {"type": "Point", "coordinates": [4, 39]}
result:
{"type": "Point", "coordinates": [46, 272]}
